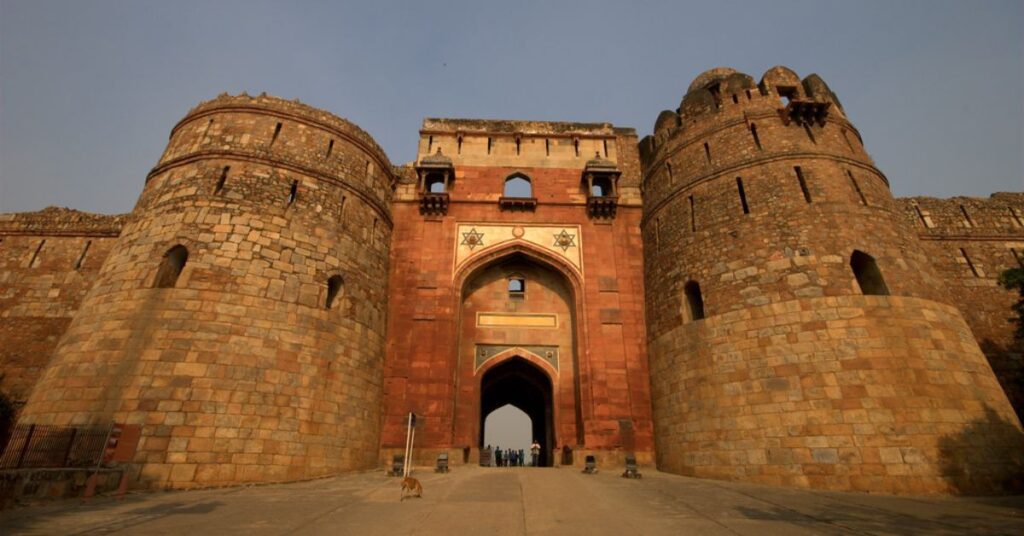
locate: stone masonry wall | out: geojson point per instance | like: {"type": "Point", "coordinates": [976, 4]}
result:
{"type": "Point", "coordinates": [242, 372]}
{"type": "Point", "coordinates": [812, 198]}
{"type": "Point", "coordinates": [48, 260]}
{"type": "Point", "coordinates": [970, 242]}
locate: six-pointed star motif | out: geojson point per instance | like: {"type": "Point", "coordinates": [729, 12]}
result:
{"type": "Point", "coordinates": [472, 239]}
{"type": "Point", "coordinates": [565, 240]}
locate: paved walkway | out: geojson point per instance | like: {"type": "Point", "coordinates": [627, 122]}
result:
{"type": "Point", "coordinates": [473, 500]}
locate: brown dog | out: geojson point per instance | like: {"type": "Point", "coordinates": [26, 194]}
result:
{"type": "Point", "coordinates": [411, 485]}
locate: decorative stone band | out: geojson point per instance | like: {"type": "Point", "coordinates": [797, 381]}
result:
{"type": "Point", "coordinates": [563, 241]}
{"type": "Point", "coordinates": [485, 352]}
{"type": "Point", "coordinates": [516, 320]}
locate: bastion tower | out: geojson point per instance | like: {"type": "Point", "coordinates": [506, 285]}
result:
{"type": "Point", "coordinates": [798, 334]}
{"type": "Point", "coordinates": [240, 316]}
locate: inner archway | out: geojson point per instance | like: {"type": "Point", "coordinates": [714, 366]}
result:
{"type": "Point", "coordinates": [509, 428]}
{"type": "Point", "coordinates": [519, 383]}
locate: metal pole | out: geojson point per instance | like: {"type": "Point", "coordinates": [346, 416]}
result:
{"type": "Point", "coordinates": [412, 442]}
{"type": "Point", "coordinates": [408, 437]}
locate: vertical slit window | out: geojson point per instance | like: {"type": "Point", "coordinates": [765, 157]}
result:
{"type": "Point", "coordinates": [547, 147]}
{"type": "Point", "coordinates": [668, 168]}
{"type": "Point", "coordinates": [968, 222]}
{"type": "Point", "coordinates": [293, 194]}
{"type": "Point", "coordinates": [707, 152]}
{"type": "Point", "coordinates": [757, 140]}
{"type": "Point", "coordinates": [222, 180]}
{"type": "Point", "coordinates": [202, 137]}
{"type": "Point", "coordinates": [458, 145]}
{"type": "Point", "coordinates": [970, 263]}
{"type": "Point", "coordinates": [743, 195]}
{"type": "Point", "coordinates": [277, 132]}
{"type": "Point", "coordinates": [749, 96]}
{"type": "Point", "coordinates": [330, 147]}
{"type": "Point", "coordinates": [856, 188]}
{"type": "Point", "coordinates": [341, 210]}
{"type": "Point", "coordinates": [34, 261]}
{"type": "Point", "coordinates": [81, 257]}
{"type": "Point", "coordinates": [1017, 257]}
{"type": "Point", "coordinates": [1015, 217]}
{"type": "Point", "coordinates": [519, 143]}
{"type": "Point", "coordinates": [924, 219]}
{"type": "Point", "coordinates": [605, 142]}
{"type": "Point", "coordinates": [693, 216]}
{"type": "Point", "coordinates": [489, 143]}
{"type": "Point", "coordinates": [846, 137]}
{"type": "Point", "coordinates": [810, 133]}
{"type": "Point", "coordinates": [657, 234]}
{"type": "Point", "coordinates": [430, 145]}
{"type": "Point", "coordinates": [803, 183]}
{"type": "Point", "coordinates": [735, 99]}
{"type": "Point", "coordinates": [576, 145]}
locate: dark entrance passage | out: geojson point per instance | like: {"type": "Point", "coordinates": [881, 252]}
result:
{"type": "Point", "coordinates": [523, 385]}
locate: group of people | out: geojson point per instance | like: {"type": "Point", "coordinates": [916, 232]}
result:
{"type": "Point", "coordinates": [515, 458]}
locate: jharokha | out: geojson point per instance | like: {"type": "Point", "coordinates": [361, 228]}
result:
{"type": "Point", "coordinates": [736, 296]}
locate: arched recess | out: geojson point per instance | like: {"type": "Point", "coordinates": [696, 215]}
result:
{"type": "Point", "coordinates": [574, 283]}
{"type": "Point", "coordinates": [524, 385]}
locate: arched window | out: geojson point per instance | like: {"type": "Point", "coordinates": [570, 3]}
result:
{"type": "Point", "coordinates": [335, 285]}
{"type": "Point", "coordinates": [518, 186]}
{"type": "Point", "coordinates": [694, 309]}
{"type": "Point", "coordinates": [516, 286]}
{"type": "Point", "coordinates": [602, 187]}
{"type": "Point", "coordinates": [435, 183]}
{"type": "Point", "coordinates": [171, 267]}
{"type": "Point", "coordinates": [869, 277]}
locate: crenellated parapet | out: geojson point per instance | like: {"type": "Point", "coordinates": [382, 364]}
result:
{"type": "Point", "coordinates": [727, 123]}
{"type": "Point", "coordinates": [60, 221]}
{"type": "Point", "coordinates": [282, 134]}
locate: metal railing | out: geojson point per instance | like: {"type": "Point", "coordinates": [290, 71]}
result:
{"type": "Point", "coordinates": [43, 446]}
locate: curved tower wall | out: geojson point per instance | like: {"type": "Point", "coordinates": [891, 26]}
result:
{"type": "Point", "coordinates": [794, 376]}
{"type": "Point", "coordinates": [240, 372]}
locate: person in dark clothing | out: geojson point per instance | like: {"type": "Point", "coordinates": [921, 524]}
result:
{"type": "Point", "coordinates": [522, 456]}
{"type": "Point", "coordinates": [497, 456]}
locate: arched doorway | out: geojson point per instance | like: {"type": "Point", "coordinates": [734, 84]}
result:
{"type": "Point", "coordinates": [522, 384]}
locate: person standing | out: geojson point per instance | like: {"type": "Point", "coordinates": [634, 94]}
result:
{"type": "Point", "coordinates": [534, 453]}
{"type": "Point", "coordinates": [497, 456]}
{"type": "Point", "coordinates": [522, 457]}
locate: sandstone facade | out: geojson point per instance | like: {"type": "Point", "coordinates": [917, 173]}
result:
{"type": "Point", "coordinates": [737, 296]}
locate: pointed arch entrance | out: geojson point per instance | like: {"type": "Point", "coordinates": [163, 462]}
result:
{"type": "Point", "coordinates": [518, 332]}
{"type": "Point", "coordinates": [522, 384]}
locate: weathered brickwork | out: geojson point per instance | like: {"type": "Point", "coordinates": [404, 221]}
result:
{"type": "Point", "coordinates": [970, 242]}
{"type": "Point", "coordinates": [240, 372]}
{"type": "Point", "coordinates": [48, 260]}
{"type": "Point", "coordinates": [789, 374]}
{"type": "Point", "coordinates": [737, 296]}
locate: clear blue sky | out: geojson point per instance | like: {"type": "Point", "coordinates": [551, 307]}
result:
{"type": "Point", "coordinates": [89, 90]}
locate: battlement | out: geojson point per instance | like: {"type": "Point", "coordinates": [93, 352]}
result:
{"type": "Point", "coordinates": [286, 108]}
{"type": "Point", "coordinates": [61, 221]}
{"type": "Point", "coordinates": [1002, 213]}
{"type": "Point", "coordinates": [512, 127]}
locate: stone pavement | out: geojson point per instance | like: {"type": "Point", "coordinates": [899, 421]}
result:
{"type": "Point", "coordinates": [473, 500]}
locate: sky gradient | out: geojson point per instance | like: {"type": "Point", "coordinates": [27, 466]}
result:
{"type": "Point", "coordinates": [89, 90]}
